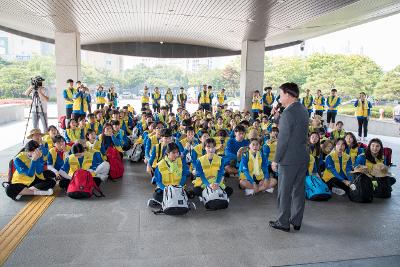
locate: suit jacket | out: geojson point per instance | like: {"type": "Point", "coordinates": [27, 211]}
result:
{"type": "Point", "coordinates": [292, 146]}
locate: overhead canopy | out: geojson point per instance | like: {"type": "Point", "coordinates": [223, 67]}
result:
{"type": "Point", "coordinates": [186, 28]}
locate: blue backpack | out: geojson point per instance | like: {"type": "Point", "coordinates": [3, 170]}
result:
{"type": "Point", "coordinates": [316, 189]}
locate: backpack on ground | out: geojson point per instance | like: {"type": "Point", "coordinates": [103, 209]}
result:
{"type": "Point", "coordinates": [215, 199]}
{"type": "Point", "coordinates": [82, 185]}
{"type": "Point", "coordinates": [136, 153]}
{"type": "Point", "coordinates": [116, 163]}
{"type": "Point", "coordinates": [175, 201]}
{"type": "Point", "coordinates": [316, 189]}
{"type": "Point", "coordinates": [61, 122]}
{"type": "Point", "coordinates": [382, 187]}
{"type": "Point", "coordinates": [361, 189]}
{"type": "Point", "coordinates": [387, 155]}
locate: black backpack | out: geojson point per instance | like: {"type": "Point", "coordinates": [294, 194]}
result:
{"type": "Point", "coordinates": [383, 188]}
{"type": "Point", "coordinates": [363, 191]}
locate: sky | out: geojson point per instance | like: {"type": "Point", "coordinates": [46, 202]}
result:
{"type": "Point", "coordinates": [379, 40]}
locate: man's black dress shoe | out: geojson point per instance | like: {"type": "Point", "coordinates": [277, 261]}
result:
{"type": "Point", "coordinates": [277, 225]}
{"type": "Point", "coordinates": [296, 227]}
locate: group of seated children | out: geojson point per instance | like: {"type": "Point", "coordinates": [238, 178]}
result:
{"type": "Point", "coordinates": [204, 148]}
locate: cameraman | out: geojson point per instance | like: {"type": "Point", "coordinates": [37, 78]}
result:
{"type": "Point", "coordinates": [37, 113]}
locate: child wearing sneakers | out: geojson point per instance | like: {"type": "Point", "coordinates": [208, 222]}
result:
{"type": "Point", "coordinates": [253, 170]}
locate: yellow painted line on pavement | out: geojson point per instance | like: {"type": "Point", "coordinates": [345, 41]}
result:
{"type": "Point", "coordinates": [15, 231]}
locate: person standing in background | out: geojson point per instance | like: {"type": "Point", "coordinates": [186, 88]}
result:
{"type": "Point", "coordinates": [182, 98]}
{"type": "Point", "coordinates": [332, 102]}
{"type": "Point", "coordinates": [363, 111]}
{"type": "Point", "coordinates": [156, 97]}
{"type": "Point", "coordinates": [307, 101]}
{"type": "Point", "coordinates": [68, 94]}
{"type": "Point", "coordinates": [169, 99]}
{"type": "Point", "coordinates": [221, 97]}
{"type": "Point", "coordinates": [268, 100]}
{"type": "Point", "coordinates": [100, 97]}
{"type": "Point", "coordinates": [319, 104]}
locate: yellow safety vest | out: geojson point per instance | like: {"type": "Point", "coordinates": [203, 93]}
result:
{"type": "Point", "coordinates": [74, 163]}
{"type": "Point", "coordinates": [332, 101]}
{"type": "Point", "coordinates": [78, 103]}
{"type": "Point", "coordinates": [369, 164]}
{"type": "Point", "coordinates": [156, 98]}
{"type": "Point", "coordinates": [199, 150]}
{"type": "Point", "coordinates": [257, 103]}
{"type": "Point", "coordinates": [168, 97]}
{"type": "Point", "coordinates": [221, 98]}
{"type": "Point", "coordinates": [205, 97]}
{"type": "Point", "coordinates": [145, 98]}
{"type": "Point", "coordinates": [250, 167]}
{"type": "Point", "coordinates": [100, 99]}
{"type": "Point", "coordinates": [209, 169]}
{"type": "Point", "coordinates": [74, 134]}
{"type": "Point", "coordinates": [272, 149]}
{"type": "Point", "coordinates": [336, 134]}
{"type": "Point", "coordinates": [353, 153]}
{"type": "Point", "coordinates": [159, 155]}
{"type": "Point", "coordinates": [268, 99]}
{"type": "Point", "coordinates": [168, 177]}
{"type": "Point", "coordinates": [53, 154]}
{"type": "Point", "coordinates": [311, 164]}
{"type": "Point", "coordinates": [327, 173]}
{"type": "Point", "coordinates": [21, 178]}
{"type": "Point", "coordinates": [307, 101]}
{"type": "Point", "coordinates": [362, 110]}
{"type": "Point", "coordinates": [70, 95]}
{"type": "Point", "coordinates": [318, 103]}
{"type": "Point", "coordinates": [47, 139]}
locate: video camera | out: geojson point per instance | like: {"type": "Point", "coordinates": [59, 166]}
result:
{"type": "Point", "coordinates": [37, 82]}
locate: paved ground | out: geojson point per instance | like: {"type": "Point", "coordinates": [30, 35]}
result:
{"type": "Point", "coordinates": [120, 230]}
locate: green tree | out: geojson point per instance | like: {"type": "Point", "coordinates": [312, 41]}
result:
{"type": "Point", "coordinates": [388, 88]}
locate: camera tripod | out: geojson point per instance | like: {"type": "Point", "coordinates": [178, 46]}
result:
{"type": "Point", "coordinates": [37, 103]}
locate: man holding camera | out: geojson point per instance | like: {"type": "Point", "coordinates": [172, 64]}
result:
{"type": "Point", "coordinates": [39, 112]}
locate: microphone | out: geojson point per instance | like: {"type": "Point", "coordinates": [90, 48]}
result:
{"type": "Point", "coordinates": [278, 106]}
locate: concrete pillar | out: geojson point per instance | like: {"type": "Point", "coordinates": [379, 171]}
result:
{"type": "Point", "coordinates": [68, 64]}
{"type": "Point", "coordinates": [252, 71]}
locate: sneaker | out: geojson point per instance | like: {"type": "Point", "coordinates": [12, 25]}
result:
{"type": "Point", "coordinates": [48, 192]}
{"type": "Point", "coordinates": [359, 138]}
{"type": "Point", "coordinates": [338, 191]}
{"type": "Point", "coordinates": [269, 190]}
{"type": "Point", "coordinates": [248, 192]}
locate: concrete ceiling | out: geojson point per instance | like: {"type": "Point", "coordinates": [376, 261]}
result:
{"type": "Point", "coordinates": [187, 28]}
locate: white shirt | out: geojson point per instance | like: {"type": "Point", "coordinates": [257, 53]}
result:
{"type": "Point", "coordinates": [45, 91]}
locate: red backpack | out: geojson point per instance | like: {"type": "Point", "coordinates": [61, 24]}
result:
{"type": "Point", "coordinates": [82, 185]}
{"type": "Point", "coordinates": [61, 122]}
{"type": "Point", "coordinates": [116, 163]}
{"type": "Point", "coordinates": [387, 155]}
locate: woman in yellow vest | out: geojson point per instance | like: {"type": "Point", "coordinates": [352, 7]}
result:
{"type": "Point", "coordinates": [253, 170]}
{"type": "Point", "coordinates": [100, 97]}
{"type": "Point", "coordinates": [171, 170]}
{"type": "Point", "coordinates": [156, 97]}
{"type": "Point", "coordinates": [307, 102]}
{"type": "Point", "coordinates": [169, 99]}
{"type": "Point", "coordinates": [221, 97]}
{"type": "Point", "coordinates": [204, 98]}
{"type": "Point", "coordinates": [79, 159]}
{"type": "Point", "coordinates": [268, 99]}
{"type": "Point", "coordinates": [81, 103]}
{"type": "Point", "coordinates": [337, 169]}
{"type": "Point", "coordinates": [332, 103]}
{"type": "Point", "coordinates": [256, 104]}
{"type": "Point", "coordinates": [210, 171]}
{"type": "Point", "coordinates": [363, 111]}
{"type": "Point", "coordinates": [57, 155]}
{"type": "Point", "coordinates": [69, 97]}
{"type": "Point", "coordinates": [373, 155]}
{"type": "Point", "coordinates": [319, 104]}
{"type": "Point", "coordinates": [145, 97]}
{"type": "Point", "coordinates": [29, 178]}
{"type": "Point", "coordinates": [352, 148]}
{"type": "Point", "coordinates": [48, 138]}
{"type": "Point", "coordinates": [339, 132]}
{"type": "Point", "coordinates": [182, 98]}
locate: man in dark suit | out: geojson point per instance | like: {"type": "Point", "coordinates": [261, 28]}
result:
{"type": "Point", "coordinates": [291, 159]}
